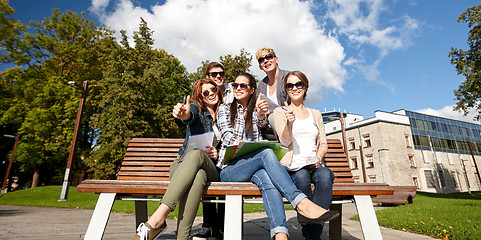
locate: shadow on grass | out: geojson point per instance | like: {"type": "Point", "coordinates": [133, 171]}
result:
{"type": "Point", "coordinates": [464, 195]}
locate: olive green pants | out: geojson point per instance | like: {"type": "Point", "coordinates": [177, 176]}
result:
{"type": "Point", "coordinates": [187, 182]}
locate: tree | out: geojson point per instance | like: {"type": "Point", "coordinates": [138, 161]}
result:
{"type": "Point", "coordinates": [65, 47]}
{"type": "Point", "coordinates": [468, 63]}
{"type": "Point", "coordinates": [233, 65]}
{"type": "Point", "coordinates": [140, 86]}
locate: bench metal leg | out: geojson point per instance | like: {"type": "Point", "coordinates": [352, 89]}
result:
{"type": "Point", "coordinates": [335, 225]}
{"type": "Point", "coordinates": [367, 216]}
{"type": "Point", "coordinates": [140, 212]}
{"type": "Point", "coordinates": [233, 217]}
{"type": "Point", "coordinates": [100, 217]}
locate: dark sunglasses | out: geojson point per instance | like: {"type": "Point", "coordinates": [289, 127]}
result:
{"type": "Point", "coordinates": [266, 57]}
{"type": "Point", "coordinates": [243, 86]}
{"type": "Point", "coordinates": [206, 93]}
{"type": "Point", "coordinates": [290, 86]}
{"type": "Point", "coordinates": [214, 74]}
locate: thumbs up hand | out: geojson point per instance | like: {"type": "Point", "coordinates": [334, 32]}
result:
{"type": "Point", "coordinates": [182, 111]}
{"type": "Point", "coordinates": [262, 107]}
{"type": "Point", "coordinates": [289, 114]}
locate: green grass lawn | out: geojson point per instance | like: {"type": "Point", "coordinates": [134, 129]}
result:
{"type": "Point", "coordinates": [450, 216]}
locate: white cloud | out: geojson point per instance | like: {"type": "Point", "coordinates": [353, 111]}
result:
{"type": "Point", "coordinates": [363, 23]}
{"type": "Point", "coordinates": [197, 30]}
{"type": "Point", "coordinates": [449, 112]}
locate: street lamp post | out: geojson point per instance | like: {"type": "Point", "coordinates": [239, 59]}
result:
{"type": "Point", "coordinates": [66, 183]}
{"type": "Point", "coordinates": [11, 161]}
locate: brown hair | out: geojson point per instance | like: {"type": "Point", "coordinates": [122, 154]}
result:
{"type": "Point", "coordinates": [197, 93]}
{"type": "Point", "coordinates": [251, 104]}
{"type": "Point", "coordinates": [299, 75]}
{"type": "Point", "coordinates": [213, 65]}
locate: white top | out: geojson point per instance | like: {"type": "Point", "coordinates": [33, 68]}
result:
{"type": "Point", "coordinates": [304, 135]}
{"type": "Point", "coordinates": [272, 97]}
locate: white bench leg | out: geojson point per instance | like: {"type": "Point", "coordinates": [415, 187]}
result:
{"type": "Point", "coordinates": [100, 217]}
{"type": "Point", "coordinates": [233, 217]}
{"type": "Point", "coordinates": [367, 216]}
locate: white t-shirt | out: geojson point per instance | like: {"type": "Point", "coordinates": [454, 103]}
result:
{"type": "Point", "coordinates": [272, 97]}
{"type": "Point", "coordinates": [304, 136]}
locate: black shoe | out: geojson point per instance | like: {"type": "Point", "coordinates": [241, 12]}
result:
{"type": "Point", "coordinates": [205, 233]}
{"type": "Point", "coordinates": [327, 216]}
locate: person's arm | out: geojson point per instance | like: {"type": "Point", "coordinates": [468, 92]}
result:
{"type": "Point", "coordinates": [281, 126]}
{"type": "Point", "coordinates": [321, 137]}
{"type": "Point", "coordinates": [225, 128]}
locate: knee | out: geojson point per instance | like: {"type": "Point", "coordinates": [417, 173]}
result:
{"type": "Point", "coordinates": [193, 155]}
{"type": "Point", "coordinates": [301, 177]}
{"type": "Point", "coordinates": [324, 175]}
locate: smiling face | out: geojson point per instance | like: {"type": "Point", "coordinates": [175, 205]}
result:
{"type": "Point", "coordinates": [209, 94]}
{"type": "Point", "coordinates": [295, 88]}
{"type": "Point", "coordinates": [268, 63]}
{"type": "Point", "coordinates": [243, 90]}
{"type": "Point", "coordinates": [219, 75]}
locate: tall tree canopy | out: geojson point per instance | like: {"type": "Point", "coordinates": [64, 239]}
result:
{"type": "Point", "coordinates": [140, 86]}
{"type": "Point", "coordinates": [468, 63]}
{"type": "Point", "coordinates": [65, 47]}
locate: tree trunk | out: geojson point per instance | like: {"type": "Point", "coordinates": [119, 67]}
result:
{"type": "Point", "coordinates": [36, 177]}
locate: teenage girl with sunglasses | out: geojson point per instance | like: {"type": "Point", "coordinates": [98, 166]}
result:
{"type": "Point", "coordinates": [301, 130]}
{"type": "Point", "coordinates": [240, 121]}
{"type": "Point", "coordinates": [189, 173]}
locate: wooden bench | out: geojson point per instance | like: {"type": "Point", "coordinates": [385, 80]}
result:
{"type": "Point", "coordinates": [402, 195]}
{"type": "Point", "coordinates": [145, 171]}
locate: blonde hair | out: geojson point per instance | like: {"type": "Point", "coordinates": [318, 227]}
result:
{"type": "Point", "coordinates": [264, 51]}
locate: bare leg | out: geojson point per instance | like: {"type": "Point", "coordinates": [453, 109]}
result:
{"type": "Point", "coordinates": [159, 216]}
{"type": "Point", "coordinates": [280, 236]}
{"type": "Point", "coordinates": [309, 209]}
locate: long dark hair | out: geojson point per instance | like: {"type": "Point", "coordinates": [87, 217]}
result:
{"type": "Point", "coordinates": [251, 104]}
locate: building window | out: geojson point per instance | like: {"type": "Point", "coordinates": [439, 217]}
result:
{"type": "Point", "coordinates": [408, 141]}
{"type": "Point", "coordinates": [367, 140]}
{"type": "Point", "coordinates": [372, 179]}
{"type": "Point", "coordinates": [370, 161]}
{"type": "Point", "coordinates": [416, 182]}
{"type": "Point", "coordinates": [356, 179]}
{"type": "Point", "coordinates": [455, 179]}
{"type": "Point", "coordinates": [353, 163]}
{"type": "Point", "coordinates": [412, 163]}
{"type": "Point", "coordinates": [352, 144]}
{"type": "Point", "coordinates": [428, 174]}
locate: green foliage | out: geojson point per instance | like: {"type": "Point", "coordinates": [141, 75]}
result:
{"type": "Point", "coordinates": [447, 216]}
{"type": "Point", "coordinates": [139, 89]}
{"type": "Point", "coordinates": [65, 47]}
{"type": "Point", "coordinates": [233, 65]}
{"type": "Point", "coordinates": [468, 63]}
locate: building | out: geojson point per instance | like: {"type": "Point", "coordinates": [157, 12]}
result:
{"type": "Point", "coordinates": [408, 148]}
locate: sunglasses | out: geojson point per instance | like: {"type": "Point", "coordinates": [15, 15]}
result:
{"type": "Point", "coordinates": [290, 86]}
{"type": "Point", "coordinates": [214, 74]}
{"type": "Point", "coordinates": [206, 93]}
{"type": "Point", "coordinates": [266, 57]}
{"type": "Point", "coordinates": [242, 86]}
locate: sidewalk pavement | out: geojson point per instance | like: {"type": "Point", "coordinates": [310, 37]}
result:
{"type": "Point", "coordinates": [18, 222]}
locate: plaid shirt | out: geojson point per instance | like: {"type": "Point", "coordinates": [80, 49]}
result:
{"type": "Point", "coordinates": [231, 135]}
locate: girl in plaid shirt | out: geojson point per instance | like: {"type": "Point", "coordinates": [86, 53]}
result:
{"type": "Point", "coordinates": [240, 121]}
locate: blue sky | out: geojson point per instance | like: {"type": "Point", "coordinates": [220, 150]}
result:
{"type": "Point", "coordinates": [359, 55]}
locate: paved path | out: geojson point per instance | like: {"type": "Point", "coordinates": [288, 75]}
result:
{"type": "Point", "coordinates": [37, 223]}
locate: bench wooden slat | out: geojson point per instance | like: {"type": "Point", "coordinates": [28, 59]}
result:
{"type": "Point", "coordinates": [219, 188]}
{"type": "Point", "coordinates": [145, 169]}
{"type": "Point", "coordinates": [152, 154]}
{"type": "Point", "coordinates": [147, 163]}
